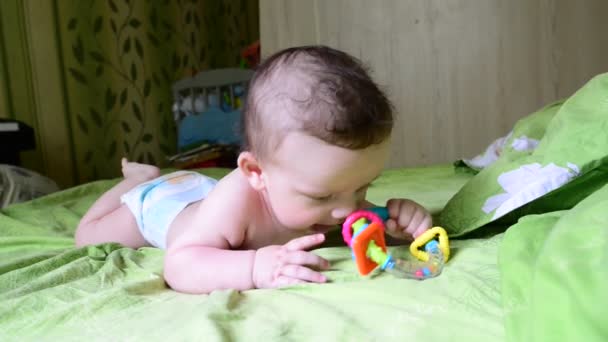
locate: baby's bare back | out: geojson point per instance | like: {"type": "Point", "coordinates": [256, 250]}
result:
{"type": "Point", "coordinates": [247, 223]}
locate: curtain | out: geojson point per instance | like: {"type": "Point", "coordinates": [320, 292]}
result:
{"type": "Point", "coordinates": [94, 77]}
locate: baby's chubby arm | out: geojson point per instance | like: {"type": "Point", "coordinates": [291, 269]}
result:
{"type": "Point", "coordinates": [201, 259]}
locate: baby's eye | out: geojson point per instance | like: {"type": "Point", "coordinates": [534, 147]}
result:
{"type": "Point", "coordinates": [322, 198]}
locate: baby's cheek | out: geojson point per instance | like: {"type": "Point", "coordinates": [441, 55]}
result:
{"type": "Point", "coordinates": [300, 219]}
{"type": "Point", "coordinates": [295, 216]}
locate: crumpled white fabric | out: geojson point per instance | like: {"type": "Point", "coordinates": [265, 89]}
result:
{"type": "Point", "coordinates": [490, 155]}
{"type": "Point", "coordinates": [493, 152]}
{"type": "Point", "coordinates": [523, 143]}
{"type": "Point", "coordinates": [526, 184]}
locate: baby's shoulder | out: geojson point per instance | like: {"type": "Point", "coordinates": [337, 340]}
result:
{"type": "Point", "coordinates": [222, 219]}
{"type": "Point", "coordinates": [234, 188]}
{"type": "Point", "coordinates": [236, 204]}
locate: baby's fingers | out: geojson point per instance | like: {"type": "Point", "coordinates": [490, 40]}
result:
{"type": "Point", "coordinates": [414, 221]}
{"type": "Point", "coordinates": [304, 242]}
{"type": "Point", "coordinates": [305, 258]}
{"type": "Point", "coordinates": [302, 273]}
{"type": "Point", "coordinates": [392, 227]}
{"type": "Point", "coordinates": [283, 281]}
{"type": "Point", "coordinates": [424, 226]}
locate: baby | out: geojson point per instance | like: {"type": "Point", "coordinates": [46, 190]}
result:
{"type": "Point", "coordinates": [316, 132]}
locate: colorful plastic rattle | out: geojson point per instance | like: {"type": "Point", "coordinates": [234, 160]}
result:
{"type": "Point", "coordinates": [363, 232]}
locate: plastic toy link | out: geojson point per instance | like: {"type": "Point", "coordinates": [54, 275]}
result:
{"type": "Point", "coordinates": [363, 232]}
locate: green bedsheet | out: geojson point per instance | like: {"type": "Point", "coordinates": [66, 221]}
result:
{"type": "Point", "coordinates": [544, 279]}
{"type": "Point", "coordinates": [50, 290]}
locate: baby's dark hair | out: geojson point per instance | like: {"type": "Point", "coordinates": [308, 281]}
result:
{"type": "Point", "coordinates": [318, 91]}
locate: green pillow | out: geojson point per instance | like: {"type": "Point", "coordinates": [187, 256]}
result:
{"type": "Point", "coordinates": [528, 131]}
{"type": "Point", "coordinates": [524, 138]}
{"type": "Point", "coordinates": [571, 157]}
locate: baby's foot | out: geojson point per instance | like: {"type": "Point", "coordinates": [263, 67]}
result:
{"type": "Point", "coordinates": [141, 172]}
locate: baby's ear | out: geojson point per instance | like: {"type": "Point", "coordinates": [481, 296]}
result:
{"type": "Point", "coordinates": [250, 167]}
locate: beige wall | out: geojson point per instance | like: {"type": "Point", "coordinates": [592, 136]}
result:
{"type": "Point", "coordinates": [460, 72]}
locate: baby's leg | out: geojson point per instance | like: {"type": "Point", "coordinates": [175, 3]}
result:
{"type": "Point", "coordinates": [110, 221]}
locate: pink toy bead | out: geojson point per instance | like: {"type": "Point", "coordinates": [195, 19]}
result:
{"type": "Point", "coordinates": [347, 233]}
{"type": "Point", "coordinates": [419, 274]}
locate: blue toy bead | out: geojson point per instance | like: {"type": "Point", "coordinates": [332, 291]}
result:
{"type": "Point", "coordinates": [432, 246]}
{"type": "Point", "coordinates": [388, 263]}
{"type": "Point", "coordinates": [426, 272]}
{"type": "Point", "coordinates": [382, 212]}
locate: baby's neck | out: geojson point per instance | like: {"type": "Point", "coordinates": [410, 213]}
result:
{"type": "Point", "coordinates": [265, 229]}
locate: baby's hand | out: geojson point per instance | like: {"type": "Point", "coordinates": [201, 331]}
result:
{"type": "Point", "coordinates": [277, 266]}
{"type": "Point", "coordinates": [408, 219]}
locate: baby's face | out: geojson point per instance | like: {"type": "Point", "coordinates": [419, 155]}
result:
{"type": "Point", "coordinates": [311, 185]}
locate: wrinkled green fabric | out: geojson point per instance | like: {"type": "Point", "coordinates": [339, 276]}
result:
{"type": "Point", "coordinates": [532, 126]}
{"type": "Point", "coordinates": [50, 290]}
{"type": "Point", "coordinates": [554, 274]}
{"type": "Point", "coordinates": [575, 141]}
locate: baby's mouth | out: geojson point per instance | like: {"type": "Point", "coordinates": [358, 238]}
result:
{"type": "Point", "coordinates": [323, 228]}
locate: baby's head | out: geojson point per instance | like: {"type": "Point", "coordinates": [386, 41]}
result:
{"type": "Point", "coordinates": [318, 91]}
{"type": "Point", "coordinates": [316, 132]}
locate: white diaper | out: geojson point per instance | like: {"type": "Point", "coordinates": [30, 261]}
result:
{"type": "Point", "coordinates": [156, 203]}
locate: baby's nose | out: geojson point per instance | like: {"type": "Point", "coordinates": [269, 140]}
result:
{"type": "Point", "coordinates": [342, 211]}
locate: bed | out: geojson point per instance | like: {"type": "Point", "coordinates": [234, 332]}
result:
{"type": "Point", "coordinates": [526, 265]}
